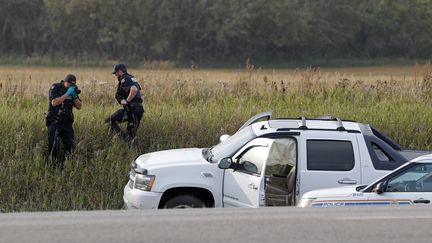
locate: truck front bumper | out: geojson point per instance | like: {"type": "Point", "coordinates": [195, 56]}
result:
{"type": "Point", "coordinates": [137, 199]}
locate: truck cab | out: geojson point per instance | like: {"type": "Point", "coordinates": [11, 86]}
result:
{"type": "Point", "coordinates": [267, 162]}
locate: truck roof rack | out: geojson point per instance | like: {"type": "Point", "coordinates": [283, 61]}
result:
{"type": "Point", "coordinates": [325, 117]}
{"type": "Point", "coordinates": [321, 118]}
{"type": "Point", "coordinates": [303, 123]}
{"type": "Point", "coordinates": [340, 125]}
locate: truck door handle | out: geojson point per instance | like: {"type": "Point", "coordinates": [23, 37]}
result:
{"type": "Point", "coordinates": [252, 186]}
{"type": "Point", "coordinates": [347, 181]}
{"type": "Point", "coordinates": [422, 201]}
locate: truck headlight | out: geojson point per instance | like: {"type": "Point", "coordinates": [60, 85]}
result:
{"type": "Point", "coordinates": [144, 182]}
{"type": "Point", "coordinates": [306, 202]}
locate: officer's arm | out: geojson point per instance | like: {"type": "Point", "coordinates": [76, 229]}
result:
{"type": "Point", "coordinates": [57, 101]}
{"type": "Point", "coordinates": [132, 92]}
{"type": "Point", "coordinates": [77, 103]}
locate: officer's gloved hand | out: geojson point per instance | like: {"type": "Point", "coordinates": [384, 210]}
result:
{"type": "Point", "coordinates": [74, 95]}
{"type": "Point", "coordinates": [70, 91]}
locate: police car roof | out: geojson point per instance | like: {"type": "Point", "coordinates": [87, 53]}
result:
{"type": "Point", "coordinates": [423, 159]}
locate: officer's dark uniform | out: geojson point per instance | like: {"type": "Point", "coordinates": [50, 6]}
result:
{"type": "Point", "coordinates": [132, 113]}
{"type": "Point", "coordinates": [59, 120]}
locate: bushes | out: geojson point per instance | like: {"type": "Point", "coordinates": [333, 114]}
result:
{"type": "Point", "coordinates": [196, 32]}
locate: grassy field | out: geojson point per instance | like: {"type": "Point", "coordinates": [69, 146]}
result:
{"type": "Point", "coordinates": [182, 105]}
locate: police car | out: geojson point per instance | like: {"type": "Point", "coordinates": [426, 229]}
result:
{"type": "Point", "coordinates": [409, 184]}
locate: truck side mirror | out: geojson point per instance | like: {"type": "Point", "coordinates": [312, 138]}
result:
{"type": "Point", "coordinates": [225, 163]}
{"type": "Point", "coordinates": [224, 137]}
{"type": "Point", "coordinates": [379, 188]}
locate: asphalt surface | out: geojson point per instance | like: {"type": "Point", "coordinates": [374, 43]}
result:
{"type": "Point", "coordinates": [355, 224]}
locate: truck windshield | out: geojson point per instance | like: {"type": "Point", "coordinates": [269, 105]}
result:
{"type": "Point", "coordinates": [231, 145]}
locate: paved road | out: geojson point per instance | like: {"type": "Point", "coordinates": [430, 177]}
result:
{"type": "Point", "coordinates": [356, 224]}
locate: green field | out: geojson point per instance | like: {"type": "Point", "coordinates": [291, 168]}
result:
{"type": "Point", "coordinates": [184, 108]}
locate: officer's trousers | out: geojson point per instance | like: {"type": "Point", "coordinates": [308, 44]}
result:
{"type": "Point", "coordinates": [64, 132]}
{"type": "Point", "coordinates": [133, 114]}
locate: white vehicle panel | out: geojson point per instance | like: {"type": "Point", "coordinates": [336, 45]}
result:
{"type": "Point", "coordinates": [179, 168]}
{"type": "Point", "coordinates": [368, 173]}
{"type": "Point", "coordinates": [243, 189]}
{"type": "Point", "coordinates": [134, 198]}
{"type": "Point", "coordinates": [327, 178]}
{"type": "Point", "coordinates": [410, 184]}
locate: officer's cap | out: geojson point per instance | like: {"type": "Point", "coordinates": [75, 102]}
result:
{"type": "Point", "coordinates": [119, 66]}
{"type": "Point", "coordinates": [70, 78]}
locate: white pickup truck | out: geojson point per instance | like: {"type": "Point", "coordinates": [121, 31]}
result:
{"type": "Point", "coordinates": [267, 162]}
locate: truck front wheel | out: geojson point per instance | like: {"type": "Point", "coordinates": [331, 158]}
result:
{"type": "Point", "coordinates": [184, 201]}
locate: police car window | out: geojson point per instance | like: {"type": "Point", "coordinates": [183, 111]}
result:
{"type": "Point", "coordinates": [414, 179]}
{"type": "Point", "coordinates": [330, 155]}
{"type": "Point", "coordinates": [252, 161]}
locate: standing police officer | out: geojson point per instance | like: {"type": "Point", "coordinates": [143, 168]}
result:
{"type": "Point", "coordinates": [63, 96]}
{"type": "Point", "coordinates": [129, 96]}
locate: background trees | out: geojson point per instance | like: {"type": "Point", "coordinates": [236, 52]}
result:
{"type": "Point", "coordinates": [216, 30]}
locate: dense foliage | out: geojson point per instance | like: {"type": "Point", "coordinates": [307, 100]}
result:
{"type": "Point", "coordinates": [200, 31]}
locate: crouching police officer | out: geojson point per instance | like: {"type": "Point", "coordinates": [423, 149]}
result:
{"type": "Point", "coordinates": [129, 96]}
{"type": "Point", "coordinates": [63, 96]}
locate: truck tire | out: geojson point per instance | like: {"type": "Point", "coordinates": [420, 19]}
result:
{"type": "Point", "coordinates": [184, 201]}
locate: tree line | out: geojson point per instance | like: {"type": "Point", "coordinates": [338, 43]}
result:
{"type": "Point", "coordinates": [216, 30]}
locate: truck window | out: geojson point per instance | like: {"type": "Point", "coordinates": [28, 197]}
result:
{"type": "Point", "coordinates": [251, 162]}
{"type": "Point", "coordinates": [280, 172]}
{"type": "Point", "coordinates": [330, 155]}
{"type": "Point", "coordinates": [384, 152]}
{"type": "Point", "coordinates": [381, 155]}
{"type": "Point", "coordinates": [228, 147]}
{"type": "Point", "coordinates": [282, 157]}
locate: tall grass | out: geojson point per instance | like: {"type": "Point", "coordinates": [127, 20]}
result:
{"type": "Point", "coordinates": [183, 108]}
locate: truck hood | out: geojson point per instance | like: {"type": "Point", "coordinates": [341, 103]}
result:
{"type": "Point", "coordinates": [171, 158]}
{"type": "Point", "coordinates": [345, 191]}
